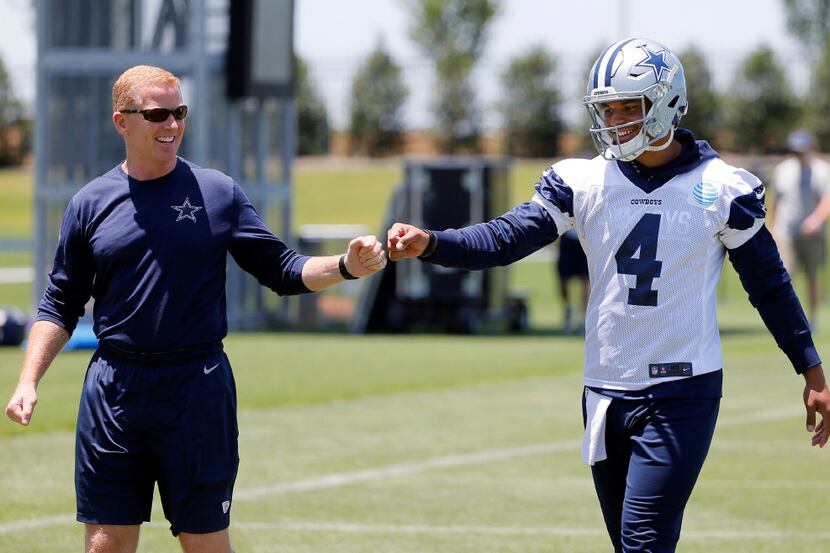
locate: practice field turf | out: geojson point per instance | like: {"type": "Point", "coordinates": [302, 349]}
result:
{"type": "Point", "coordinates": [15, 203]}
{"type": "Point", "coordinates": [438, 444]}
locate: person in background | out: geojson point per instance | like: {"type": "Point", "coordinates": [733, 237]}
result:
{"type": "Point", "coordinates": [802, 204]}
{"type": "Point", "coordinates": [571, 264]}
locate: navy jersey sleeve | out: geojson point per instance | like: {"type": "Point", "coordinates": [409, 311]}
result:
{"type": "Point", "coordinates": [501, 241]}
{"type": "Point", "coordinates": [70, 283]}
{"type": "Point", "coordinates": [763, 276]}
{"type": "Point", "coordinates": [263, 255]}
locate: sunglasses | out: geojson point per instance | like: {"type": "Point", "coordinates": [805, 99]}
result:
{"type": "Point", "coordinates": [159, 115]}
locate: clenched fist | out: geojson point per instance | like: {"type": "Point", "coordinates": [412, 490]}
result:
{"type": "Point", "coordinates": [404, 241]}
{"type": "Point", "coordinates": [365, 256]}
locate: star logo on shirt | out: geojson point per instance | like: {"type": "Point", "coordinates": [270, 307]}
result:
{"type": "Point", "coordinates": [186, 210]}
{"type": "Point", "coordinates": [656, 61]}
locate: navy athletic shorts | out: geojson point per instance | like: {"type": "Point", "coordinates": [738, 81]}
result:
{"type": "Point", "coordinates": [171, 423]}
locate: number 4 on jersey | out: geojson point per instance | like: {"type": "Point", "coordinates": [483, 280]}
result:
{"type": "Point", "coordinates": [642, 238]}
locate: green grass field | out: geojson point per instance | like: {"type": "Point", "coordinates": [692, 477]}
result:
{"type": "Point", "coordinates": [432, 443]}
{"type": "Point", "coordinates": [15, 203]}
{"type": "Point", "coordinates": [436, 443]}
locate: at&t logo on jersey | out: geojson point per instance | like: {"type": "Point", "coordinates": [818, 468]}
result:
{"type": "Point", "coordinates": [705, 194]}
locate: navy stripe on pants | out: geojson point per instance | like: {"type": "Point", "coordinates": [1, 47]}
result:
{"type": "Point", "coordinates": [656, 449]}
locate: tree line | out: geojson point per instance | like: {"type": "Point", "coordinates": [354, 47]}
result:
{"type": "Point", "coordinates": [754, 115]}
{"type": "Point", "coordinates": [15, 127]}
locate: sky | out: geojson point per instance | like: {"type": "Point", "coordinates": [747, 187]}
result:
{"type": "Point", "coordinates": [334, 36]}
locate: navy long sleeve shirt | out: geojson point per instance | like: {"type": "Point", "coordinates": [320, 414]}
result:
{"type": "Point", "coordinates": [153, 255]}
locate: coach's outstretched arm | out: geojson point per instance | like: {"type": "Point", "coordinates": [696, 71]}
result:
{"type": "Point", "coordinates": [46, 340]}
{"type": "Point", "coordinates": [363, 257]}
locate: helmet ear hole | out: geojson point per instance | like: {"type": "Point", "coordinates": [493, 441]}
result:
{"type": "Point", "coordinates": [655, 129]}
{"type": "Point", "coordinates": [674, 101]}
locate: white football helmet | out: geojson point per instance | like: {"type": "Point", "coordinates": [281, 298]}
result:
{"type": "Point", "coordinates": [636, 69]}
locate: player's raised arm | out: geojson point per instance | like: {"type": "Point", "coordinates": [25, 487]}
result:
{"type": "Point", "coordinates": [497, 242]}
{"type": "Point", "coordinates": [363, 257]}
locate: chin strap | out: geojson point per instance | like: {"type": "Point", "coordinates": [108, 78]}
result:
{"type": "Point", "coordinates": [610, 149]}
{"type": "Point", "coordinates": [651, 148]}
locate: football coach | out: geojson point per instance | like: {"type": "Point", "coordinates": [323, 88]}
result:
{"type": "Point", "coordinates": [149, 241]}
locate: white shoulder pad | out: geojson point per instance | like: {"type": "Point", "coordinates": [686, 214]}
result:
{"type": "Point", "coordinates": [732, 181]}
{"type": "Point", "coordinates": [741, 203]}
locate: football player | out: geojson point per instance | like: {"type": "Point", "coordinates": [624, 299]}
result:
{"type": "Point", "coordinates": [657, 212]}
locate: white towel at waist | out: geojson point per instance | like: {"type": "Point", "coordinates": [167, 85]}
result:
{"type": "Point", "coordinates": [593, 440]}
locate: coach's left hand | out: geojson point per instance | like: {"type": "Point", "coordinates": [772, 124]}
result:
{"type": "Point", "coordinates": [817, 400]}
{"type": "Point", "coordinates": [365, 256]}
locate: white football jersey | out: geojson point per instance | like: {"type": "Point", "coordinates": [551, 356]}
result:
{"type": "Point", "coordinates": [654, 261]}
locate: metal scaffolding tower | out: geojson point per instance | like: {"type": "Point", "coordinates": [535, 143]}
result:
{"type": "Point", "coordinates": [83, 45]}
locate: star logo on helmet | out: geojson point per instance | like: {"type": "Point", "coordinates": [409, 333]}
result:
{"type": "Point", "coordinates": [656, 61]}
